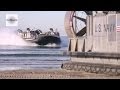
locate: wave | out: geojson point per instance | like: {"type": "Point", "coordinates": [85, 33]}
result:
{"type": "Point", "coordinates": [9, 68]}
{"type": "Point", "coordinates": [34, 55]}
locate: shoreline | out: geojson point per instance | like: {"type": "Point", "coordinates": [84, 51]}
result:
{"type": "Point", "coordinates": [52, 74]}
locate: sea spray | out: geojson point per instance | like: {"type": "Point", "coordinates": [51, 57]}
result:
{"type": "Point", "coordinates": [10, 37]}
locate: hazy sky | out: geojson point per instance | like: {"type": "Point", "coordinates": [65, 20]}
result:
{"type": "Point", "coordinates": [37, 19]}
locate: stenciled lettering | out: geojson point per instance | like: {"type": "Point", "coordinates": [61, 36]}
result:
{"type": "Point", "coordinates": [106, 28]}
{"type": "Point", "coordinates": [98, 28]}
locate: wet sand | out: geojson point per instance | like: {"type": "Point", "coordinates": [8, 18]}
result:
{"type": "Point", "coordinates": [52, 74]}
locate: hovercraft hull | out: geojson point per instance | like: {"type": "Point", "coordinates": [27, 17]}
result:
{"type": "Point", "coordinates": [45, 39]}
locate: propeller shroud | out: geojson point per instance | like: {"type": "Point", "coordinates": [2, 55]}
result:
{"type": "Point", "coordinates": [75, 23]}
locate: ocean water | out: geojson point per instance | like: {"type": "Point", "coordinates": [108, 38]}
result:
{"type": "Point", "coordinates": [13, 57]}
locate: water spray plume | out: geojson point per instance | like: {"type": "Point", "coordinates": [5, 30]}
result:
{"type": "Point", "coordinates": [10, 37]}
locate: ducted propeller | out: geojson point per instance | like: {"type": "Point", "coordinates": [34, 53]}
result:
{"type": "Point", "coordinates": [75, 23]}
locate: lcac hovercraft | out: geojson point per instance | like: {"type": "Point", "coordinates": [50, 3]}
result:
{"type": "Point", "coordinates": [40, 38]}
{"type": "Point", "coordinates": [94, 41]}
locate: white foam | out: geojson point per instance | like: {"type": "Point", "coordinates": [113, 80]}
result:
{"type": "Point", "coordinates": [9, 68]}
{"type": "Point", "coordinates": [52, 45]}
{"type": "Point", "coordinates": [10, 37]}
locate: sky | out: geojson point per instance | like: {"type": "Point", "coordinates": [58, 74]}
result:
{"type": "Point", "coordinates": [37, 20]}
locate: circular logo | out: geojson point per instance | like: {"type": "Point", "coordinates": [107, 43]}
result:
{"type": "Point", "coordinates": [12, 19]}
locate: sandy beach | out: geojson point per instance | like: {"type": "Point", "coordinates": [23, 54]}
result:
{"type": "Point", "coordinates": [52, 74]}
